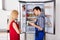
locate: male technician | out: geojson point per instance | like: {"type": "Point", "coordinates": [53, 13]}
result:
{"type": "Point", "coordinates": [39, 24]}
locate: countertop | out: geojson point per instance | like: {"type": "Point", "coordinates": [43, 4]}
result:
{"type": "Point", "coordinates": [4, 30]}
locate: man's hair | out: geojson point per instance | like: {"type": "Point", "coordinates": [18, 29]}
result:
{"type": "Point", "coordinates": [37, 8]}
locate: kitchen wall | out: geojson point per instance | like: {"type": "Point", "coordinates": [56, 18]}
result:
{"type": "Point", "coordinates": [0, 4]}
{"type": "Point", "coordinates": [13, 4]}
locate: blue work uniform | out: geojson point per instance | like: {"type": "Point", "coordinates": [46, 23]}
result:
{"type": "Point", "coordinates": [39, 34]}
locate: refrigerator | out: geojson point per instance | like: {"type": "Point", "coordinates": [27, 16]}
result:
{"type": "Point", "coordinates": [26, 15]}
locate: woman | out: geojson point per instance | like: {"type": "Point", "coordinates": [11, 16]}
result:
{"type": "Point", "coordinates": [13, 26]}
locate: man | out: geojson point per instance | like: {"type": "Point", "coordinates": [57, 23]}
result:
{"type": "Point", "coordinates": [39, 24]}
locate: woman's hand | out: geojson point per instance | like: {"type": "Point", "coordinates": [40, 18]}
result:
{"type": "Point", "coordinates": [20, 30]}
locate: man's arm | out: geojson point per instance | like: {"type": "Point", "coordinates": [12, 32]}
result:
{"type": "Point", "coordinates": [35, 26]}
{"type": "Point", "coordinates": [40, 23]}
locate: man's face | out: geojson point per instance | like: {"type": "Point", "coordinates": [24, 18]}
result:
{"type": "Point", "coordinates": [36, 12]}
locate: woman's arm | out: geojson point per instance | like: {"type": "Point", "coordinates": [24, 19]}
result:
{"type": "Point", "coordinates": [16, 29]}
{"type": "Point", "coordinates": [8, 27]}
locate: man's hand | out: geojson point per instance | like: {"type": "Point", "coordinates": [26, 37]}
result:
{"type": "Point", "coordinates": [39, 28]}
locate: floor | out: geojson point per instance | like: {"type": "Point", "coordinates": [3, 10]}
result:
{"type": "Point", "coordinates": [5, 36]}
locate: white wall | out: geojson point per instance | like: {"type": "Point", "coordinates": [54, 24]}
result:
{"type": "Point", "coordinates": [4, 15]}
{"type": "Point", "coordinates": [11, 4]}
{"type": "Point", "coordinates": [0, 4]}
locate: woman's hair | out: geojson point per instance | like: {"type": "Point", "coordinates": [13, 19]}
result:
{"type": "Point", "coordinates": [13, 14]}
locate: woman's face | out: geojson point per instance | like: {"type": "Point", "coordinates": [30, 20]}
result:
{"type": "Point", "coordinates": [14, 16]}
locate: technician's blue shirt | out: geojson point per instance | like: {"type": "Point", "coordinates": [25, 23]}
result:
{"type": "Point", "coordinates": [40, 21]}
